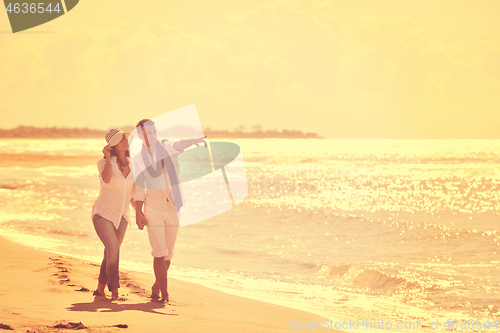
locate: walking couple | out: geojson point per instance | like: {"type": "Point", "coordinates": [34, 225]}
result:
{"type": "Point", "coordinates": [152, 183]}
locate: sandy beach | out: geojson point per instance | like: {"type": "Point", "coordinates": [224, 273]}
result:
{"type": "Point", "coordinates": [41, 290]}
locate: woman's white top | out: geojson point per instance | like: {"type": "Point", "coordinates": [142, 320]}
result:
{"type": "Point", "coordinates": [114, 199]}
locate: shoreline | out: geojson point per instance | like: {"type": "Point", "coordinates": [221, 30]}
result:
{"type": "Point", "coordinates": [43, 160]}
{"type": "Point", "coordinates": [44, 289]}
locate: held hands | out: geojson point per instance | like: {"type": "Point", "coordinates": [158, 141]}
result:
{"type": "Point", "coordinates": [140, 220]}
{"type": "Point", "coordinates": [107, 152]}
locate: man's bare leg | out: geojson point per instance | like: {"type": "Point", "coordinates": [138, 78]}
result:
{"type": "Point", "coordinates": [160, 268]}
{"type": "Point", "coordinates": [167, 264]}
{"type": "Point", "coordinates": [155, 290]}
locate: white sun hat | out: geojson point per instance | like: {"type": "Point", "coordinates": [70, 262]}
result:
{"type": "Point", "coordinates": [114, 136]}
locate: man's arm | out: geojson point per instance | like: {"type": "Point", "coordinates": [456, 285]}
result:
{"type": "Point", "coordinates": [186, 143]}
{"type": "Point", "coordinates": [140, 219]}
{"type": "Point", "coordinates": [139, 197]}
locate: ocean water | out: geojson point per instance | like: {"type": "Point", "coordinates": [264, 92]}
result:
{"type": "Point", "coordinates": [392, 230]}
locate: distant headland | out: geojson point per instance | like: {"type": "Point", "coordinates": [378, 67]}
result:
{"type": "Point", "coordinates": [62, 132]}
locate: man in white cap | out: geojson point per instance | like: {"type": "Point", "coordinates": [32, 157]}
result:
{"type": "Point", "coordinates": [159, 187]}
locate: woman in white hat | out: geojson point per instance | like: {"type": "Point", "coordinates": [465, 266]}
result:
{"type": "Point", "coordinates": [110, 213]}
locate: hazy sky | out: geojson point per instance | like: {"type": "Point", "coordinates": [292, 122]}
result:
{"type": "Point", "coordinates": [343, 69]}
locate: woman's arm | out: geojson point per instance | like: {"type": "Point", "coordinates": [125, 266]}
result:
{"type": "Point", "coordinates": [107, 171]}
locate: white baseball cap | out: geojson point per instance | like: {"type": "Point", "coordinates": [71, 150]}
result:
{"type": "Point", "coordinates": [114, 136]}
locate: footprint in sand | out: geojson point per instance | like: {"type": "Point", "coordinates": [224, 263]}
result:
{"type": "Point", "coordinates": [63, 273]}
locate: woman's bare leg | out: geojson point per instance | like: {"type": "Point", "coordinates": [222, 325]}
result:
{"type": "Point", "coordinates": [100, 288]}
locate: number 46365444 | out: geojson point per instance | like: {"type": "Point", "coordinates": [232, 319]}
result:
{"type": "Point", "coordinates": [32, 8]}
{"type": "Point", "coordinates": [471, 324]}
